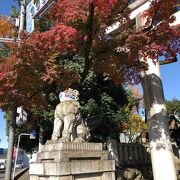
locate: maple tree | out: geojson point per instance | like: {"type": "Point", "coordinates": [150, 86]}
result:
{"type": "Point", "coordinates": [62, 56]}
{"type": "Point", "coordinates": [135, 128]}
{"type": "Point", "coordinates": [7, 27]}
{"type": "Point", "coordinates": [77, 42]}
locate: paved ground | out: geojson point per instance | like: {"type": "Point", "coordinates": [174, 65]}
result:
{"type": "Point", "coordinates": [25, 176]}
{"type": "Point", "coordinates": [2, 173]}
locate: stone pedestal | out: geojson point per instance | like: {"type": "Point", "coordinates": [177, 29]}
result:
{"type": "Point", "coordinates": [72, 161]}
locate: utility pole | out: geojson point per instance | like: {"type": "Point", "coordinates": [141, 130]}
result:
{"type": "Point", "coordinates": [11, 143]}
{"type": "Point", "coordinates": [160, 144]}
{"type": "Point", "coordinates": [14, 109]}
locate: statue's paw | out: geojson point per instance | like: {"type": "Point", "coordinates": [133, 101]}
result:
{"type": "Point", "coordinates": [52, 141]}
{"type": "Point", "coordinates": [64, 140]}
{"type": "Point", "coordinates": [79, 140]}
{"type": "Point", "coordinates": [54, 138]}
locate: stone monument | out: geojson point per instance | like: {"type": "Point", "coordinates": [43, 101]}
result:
{"type": "Point", "coordinates": [69, 155]}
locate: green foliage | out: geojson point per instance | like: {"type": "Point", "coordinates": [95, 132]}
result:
{"type": "Point", "coordinates": [44, 24]}
{"type": "Point", "coordinates": [135, 127]}
{"type": "Point", "coordinates": [123, 115]}
{"type": "Point", "coordinates": [90, 108]}
{"type": "Point", "coordinates": [101, 101]}
{"type": "Point", "coordinates": [26, 143]}
{"type": "Point", "coordinates": [7, 118]}
{"type": "Point", "coordinates": [172, 105]}
{"type": "Point", "coordinates": [5, 50]}
{"type": "Point", "coordinates": [14, 12]}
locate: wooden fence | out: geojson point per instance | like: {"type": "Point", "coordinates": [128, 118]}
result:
{"type": "Point", "coordinates": [133, 154]}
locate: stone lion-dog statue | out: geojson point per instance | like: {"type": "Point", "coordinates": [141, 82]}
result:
{"type": "Point", "coordinates": [69, 125]}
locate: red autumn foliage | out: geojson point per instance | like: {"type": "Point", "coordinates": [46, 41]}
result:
{"type": "Point", "coordinates": [80, 29]}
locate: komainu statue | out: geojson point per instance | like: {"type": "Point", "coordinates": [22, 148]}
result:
{"type": "Point", "coordinates": [69, 125]}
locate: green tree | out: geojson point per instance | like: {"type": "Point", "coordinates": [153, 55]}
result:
{"type": "Point", "coordinates": [174, 124]}
{"type": "Point", "coordinates": [172, 105]}
{"type": "Point", "coordinates": [135, 128]}
{"type": "Point", "coordinates": [101, 101]}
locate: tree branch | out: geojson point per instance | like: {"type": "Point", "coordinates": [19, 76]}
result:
{"type": "Point", "coordinates": [153, 20]}
{"type": "Point", "coordinates": [89, 25]}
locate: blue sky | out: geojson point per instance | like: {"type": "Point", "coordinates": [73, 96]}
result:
{"type": "Point", "coordinates": [170, 77]}
{"type": "Point", "coordinates": [5, 6]}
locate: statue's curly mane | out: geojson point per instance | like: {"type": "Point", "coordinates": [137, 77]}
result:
{"type": "Point", "coordinates": [67, 107]}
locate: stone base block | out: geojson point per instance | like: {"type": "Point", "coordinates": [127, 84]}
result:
{"type": "Point", "coordinates": [67, 156]}
{"type": "Point", "coordinates": [33, 177]}
{"type": "Point", "coordinates": [71, 146]}
{"type": "Point", "coordinates": [95, 176]}
{"type": "Point", "coordinates": [68, 168]}
{"type": "Point", "coordinates": [72, 161]}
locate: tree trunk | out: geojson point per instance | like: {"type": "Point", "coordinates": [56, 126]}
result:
{"type": "Point", "coordinates": [161, 149]}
